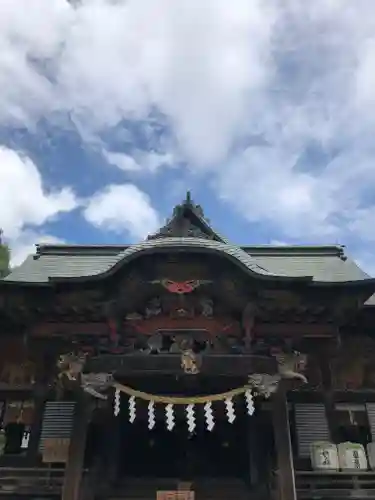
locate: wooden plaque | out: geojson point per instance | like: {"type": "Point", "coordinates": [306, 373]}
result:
{"type": "Point", "coordinates": [56, 450]}
{"type": "Point", "coordinates": [175, 495]}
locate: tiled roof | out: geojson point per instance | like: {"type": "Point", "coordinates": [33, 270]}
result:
{"type": "Point", "coordinates": [84, 262]}
{"type": "Point", "coordinates": [323, 264]}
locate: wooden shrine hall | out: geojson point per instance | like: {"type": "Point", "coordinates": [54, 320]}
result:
{"type": "Point", "coordinates": [185, 367]}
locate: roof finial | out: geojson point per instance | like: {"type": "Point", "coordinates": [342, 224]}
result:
{"type": "Point", "coordinates": [188, 198]}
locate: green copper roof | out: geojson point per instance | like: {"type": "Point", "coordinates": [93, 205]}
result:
{"type": "Point", "coordinates": [324, 264]}
{"type": "Point", "coordinates": [188, 230]}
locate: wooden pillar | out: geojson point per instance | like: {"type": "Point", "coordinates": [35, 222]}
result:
{"type": "Point", "coordinates": [283, 444]}
{"type": "Point", "coordinates": [74, 467]}
{"type": "Point", "coordinates": [33, 448]}
{"type": "Point", "coordinates": [112, 447]}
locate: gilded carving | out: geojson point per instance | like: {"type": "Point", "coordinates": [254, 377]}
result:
{"type": "Point", "coordinates": [190, 362]}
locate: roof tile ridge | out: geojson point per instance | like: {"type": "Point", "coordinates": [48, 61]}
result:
{"type": "Point", "coordinates": [194, 242]}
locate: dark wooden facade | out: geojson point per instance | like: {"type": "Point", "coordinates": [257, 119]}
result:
{"type": "Point", "coordinates": [134, 317]}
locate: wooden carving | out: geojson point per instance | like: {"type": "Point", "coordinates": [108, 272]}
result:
{"type": "Point", "coordinates": [214, 326]}
{"type": "Point", "coordinates": [351, 369]}
{"type": "Point", "coordinates": [70, 366]}
{"type": "Point", "coordinates": [248, 322]}
{"type": "Point", "coordinates": [180, 287]}
{"type": "Point", "coordinates": [190, 362]}
{"type": "Point", "coordinates": [290, 365]}
{"type": "Point", "coordinates": [18, 373]}
{"type": "Point", "coordinates": [348, 374]}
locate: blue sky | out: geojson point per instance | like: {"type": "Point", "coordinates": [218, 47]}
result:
{"type": "Point", "coordinates": [110, 110]}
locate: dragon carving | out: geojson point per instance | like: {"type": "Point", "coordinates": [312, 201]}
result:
{"type": "Point", "coordinates": [70, 367]}
{"type": "Point", "coordinates": [290, 365]}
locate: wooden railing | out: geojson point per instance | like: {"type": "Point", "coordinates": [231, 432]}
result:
{"type": "Point", "coordinates": [33, 481]}
{"type": "Point", "coordinates": [335, 485]}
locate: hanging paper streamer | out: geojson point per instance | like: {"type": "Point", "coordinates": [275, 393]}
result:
{"type": "Point", "coordinates": [151, 415]}
{"type": "Point", "coordinates": [210, 423]}
{"type": "Point", "coordinates": [190, 417]}
{"type": "Point", "coordinates": [231, 416]}
{"type": "Point", "coordinates": [169, 413]}
{"type": "Point", "coordinates": [132, 409]}
{"type": "Point", "coordinates": [258, 386]}
{"type": "Point", "coordinates": [249, 402]}
{"type": "Point", "coordinates": [116, 404]}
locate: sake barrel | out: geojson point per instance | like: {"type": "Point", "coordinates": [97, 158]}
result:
{"type": "Point", "coordinates": [371, 455]}
{"type": "Point", "coordinates": [324, 456]}
{"type": "Point", "coordinates": [352, 456]}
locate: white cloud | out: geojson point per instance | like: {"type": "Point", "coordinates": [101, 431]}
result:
{"type": "Point", "coordinates": [122, 161]}
{"type": "Point", "coordinates": [121, 208]}
{"type": "Point", "coordinates": [25, 203]}
{"type": "Point", "coordinates": [24, 200]}
{"type": "Point", "coordinates": [150, 161]}
{"type": "Point", "coordinates": [195, 63]}
{"type": "Point", "coordinates": [287, 74]}
{"type": "Point", "coordinates": [25, 245]}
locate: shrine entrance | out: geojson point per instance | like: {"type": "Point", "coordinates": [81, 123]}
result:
{"type": "Point", "coordinates": [223, 452]}
{"type": "Point", "coordinates": [180, 454]}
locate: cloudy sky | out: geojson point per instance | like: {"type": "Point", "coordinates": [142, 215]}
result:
{"type": "Point", "coordinates": [265, 109]}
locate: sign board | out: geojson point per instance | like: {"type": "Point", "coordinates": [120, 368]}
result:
{"type": "Point", "coordinates": [175, 495]}
{"type": "Point", "coordinates": [56, 450]}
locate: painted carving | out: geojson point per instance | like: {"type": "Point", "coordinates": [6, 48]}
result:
{"type": "Point", "coordinates": [248, 322]}
{"type": "Point", "coordinates": [18, 373]}
{"type": "Point", "coordinates": [207, 306]}
{"type": "Point", "coordinates": [213, 326]}
{"type": "Point", "coordinates": [180, 287]}
{"type": "Point", "coordinates": [264, 384]}
{"type": "Point", "coordinates": [96, 383]}
{"type": "Point", "coordinates": [155, 344]}
{"type": "Point", "coordinates": [153, 308]}
{"type": "Point", "coordinates": [71, 366]}
{"type": "Point", "coordinates": [190, 362]}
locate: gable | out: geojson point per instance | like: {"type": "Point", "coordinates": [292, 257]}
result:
{"type": "Point", "coordinates": [187, 221]}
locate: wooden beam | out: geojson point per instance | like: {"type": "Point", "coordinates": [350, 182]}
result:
{"type": "Point", "coordinates": [284, 452]}
{"type": "Point", "coordinates": [214, 364]}
{"type": "Point", "coordinates": [47, 329]}
{"type": "Point", "coordinates": [74, 467]}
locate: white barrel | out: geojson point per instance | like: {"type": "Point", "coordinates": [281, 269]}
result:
{"type": "Point", "coordinates": [324, 456]}
{"type": "Point", "coordinates": [371, 455]}
{"type": "Point", "coordinates": [352, 456]}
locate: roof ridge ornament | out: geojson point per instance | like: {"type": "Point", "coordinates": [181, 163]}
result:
{"type": "Point", "coordinates": [181, 224]}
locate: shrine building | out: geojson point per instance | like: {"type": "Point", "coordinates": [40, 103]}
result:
{"type": "Point", "coordinates": [185, 367]}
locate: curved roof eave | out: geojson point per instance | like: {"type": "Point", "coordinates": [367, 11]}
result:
{"type": "Point", "coordinates": [366, 282]}
{"type": "Point", "coordinates": [238, 256]}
